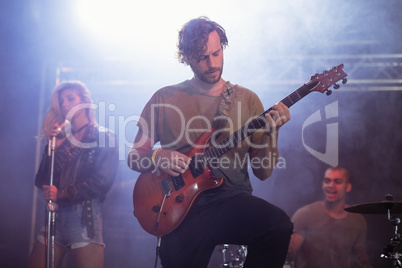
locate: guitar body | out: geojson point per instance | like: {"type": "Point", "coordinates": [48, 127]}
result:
{"type": "Point", "coordinates": [159, 214]}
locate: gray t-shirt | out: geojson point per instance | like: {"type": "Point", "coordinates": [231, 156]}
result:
{"type": "Point", "coordinates": [177, 115]}
{"type": "Point", "coordinates": [328, 242]}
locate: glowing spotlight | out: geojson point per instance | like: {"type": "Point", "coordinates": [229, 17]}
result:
{"type": "Point", "coordinates": [136, 24]}
{"type": "Point", "coordinates": [143, 23]}
{"type": "Point", "coordinates": [112, 20]}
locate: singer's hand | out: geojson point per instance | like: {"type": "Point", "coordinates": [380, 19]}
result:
{"type": "Point", "coordinates": [50, 192]}
{"type": "Point", "coordinates": [58, 129]}
{"type": "Point", "coordinates": [58, 132]}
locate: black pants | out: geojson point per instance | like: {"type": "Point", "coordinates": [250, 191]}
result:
{"type": "Point", "coordinates": [243, 220]}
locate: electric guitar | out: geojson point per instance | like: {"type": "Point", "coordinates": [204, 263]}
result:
{"type": "Point", "coordinates": [161, 202]}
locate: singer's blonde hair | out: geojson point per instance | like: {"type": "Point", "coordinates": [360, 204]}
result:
{"type": "Point", "coordinates": [54, 115]}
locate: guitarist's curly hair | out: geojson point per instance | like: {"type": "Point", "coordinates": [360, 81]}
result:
{"type": "Point", "coordinates": [193, 37]}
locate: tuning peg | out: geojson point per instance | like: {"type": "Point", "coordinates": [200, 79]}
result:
{"type": "Point", "coordinates": [344, 80]}
{"type": "Point", "coordinates": [329, 92]}
{"type": "Point", "coordinates": [336, 86]}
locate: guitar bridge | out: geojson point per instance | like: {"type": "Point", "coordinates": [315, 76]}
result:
{"type": "Point", "coordinates": [166, 186]}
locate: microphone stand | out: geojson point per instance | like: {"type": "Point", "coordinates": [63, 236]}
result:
{"type": "Point", "coordinates": [51, 208]}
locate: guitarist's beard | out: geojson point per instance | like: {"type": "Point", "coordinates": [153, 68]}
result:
{"type": "Point", "coordinates": [208, 76]}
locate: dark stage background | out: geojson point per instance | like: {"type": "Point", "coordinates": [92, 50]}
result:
{"type": "Point", "coordinates": [275, 46]}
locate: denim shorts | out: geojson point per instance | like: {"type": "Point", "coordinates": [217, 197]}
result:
{"type": "Point", "coordinates": [71, 232]}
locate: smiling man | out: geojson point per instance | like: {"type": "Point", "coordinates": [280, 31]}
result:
{"type": "Point", "coordinates": [325, 235]}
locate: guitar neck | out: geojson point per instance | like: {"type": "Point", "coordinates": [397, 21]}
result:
{"type": "Point", "coordinates": [255, 124]}
{"type": "Point", "coordinates": [297, 95]}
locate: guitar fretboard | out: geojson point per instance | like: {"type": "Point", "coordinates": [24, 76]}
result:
{"type": "Point", "coordinates": [258, 122]}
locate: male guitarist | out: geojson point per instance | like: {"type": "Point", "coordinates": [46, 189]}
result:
{"type": "Point", "coordinates": [176, 116]}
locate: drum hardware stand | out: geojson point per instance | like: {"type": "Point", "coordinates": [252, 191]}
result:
{"type": "Point", "coordinates": [393, 249]}
{"type": "Point", "coordinates": [224, 248]}
{"type": "Point", "coordinates": [237, 256]}
{"type": "Point", "coordinates": [51, 208]}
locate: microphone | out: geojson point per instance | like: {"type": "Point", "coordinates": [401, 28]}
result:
{"type": "Point", "coordinates": [61, 134]}
{"type": "Point", "coordinates": [62, 129]}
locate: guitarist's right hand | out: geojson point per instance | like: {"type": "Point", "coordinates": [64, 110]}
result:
{"type": "Point", "coordinates": [171, 162]}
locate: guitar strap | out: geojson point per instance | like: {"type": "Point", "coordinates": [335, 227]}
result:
{"type": "Point", "coordinates": [221, 117]}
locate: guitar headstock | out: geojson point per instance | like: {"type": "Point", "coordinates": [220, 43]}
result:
{"type": "Point", "coordinates": [328, 78]}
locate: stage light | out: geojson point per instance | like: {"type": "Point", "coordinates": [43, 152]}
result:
{"type": "Point", "coordinates": [109, 20]}
{"type": "Point", "coordinates": [139, 26]}
{"type": "Point", "coordinates": [143, 26]}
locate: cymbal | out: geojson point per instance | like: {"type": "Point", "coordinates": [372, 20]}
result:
{"type": "Point", "coordinates": [377, 208]}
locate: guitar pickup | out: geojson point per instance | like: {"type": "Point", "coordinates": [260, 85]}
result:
{"type": "Point", "coordinates": [178, 182]}
{"type": "Point", "coordinates": [197, 165]}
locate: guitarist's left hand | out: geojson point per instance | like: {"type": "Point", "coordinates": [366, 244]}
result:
{"type": "Point", "coordinates": [278, 116]}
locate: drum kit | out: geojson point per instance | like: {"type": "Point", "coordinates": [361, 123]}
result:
{"type": "Point", "coordinates": [235, 255]}
{"type": "Point", "coordinates": [393, 251]}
